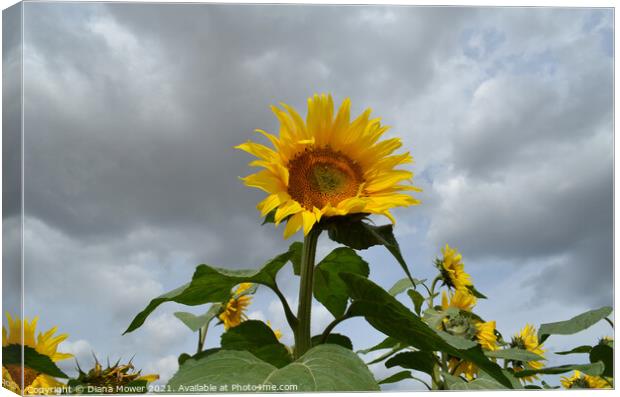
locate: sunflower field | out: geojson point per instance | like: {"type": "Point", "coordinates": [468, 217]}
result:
{"type": "Point", "coordinates": [328, 175]}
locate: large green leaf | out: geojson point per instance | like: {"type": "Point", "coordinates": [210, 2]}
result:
{"type": "Point", "coordinates": [211, 284]}
{"type": "Point", "coordinates": [12, 355]}
{"type": "Point", "coordinates": [574, 325]}
{"type": "Point", "coordinates": [391, 317]}
{"type": "Point", "coordinates": [194, 322]}
{"type": "Point", "coordinates": [386, 343]}
{"type": "Point", "coordinates": [397, 377]}
{"type": "Point", "coordinates": [353, 232]}
{"type": "Point", "coordinates": [514, 354]}
{"type": "Point", "coordinates": [579, 349]}
{"type": "Point", "coordinates": [329, 289]}
{"type": "Point", "coordinates": [420, 361]}
{"type": "Point", "coordinates": [604, 354]}
{"type": "Point", "coordinates": [482, 382]}
{"type": "Point", "coordinates": [595, 369]}
{"type": "Point", "coordinates": [334, 339]}
{"type": "Point", "coordinates": [322, 368]}
{"type": "Point", "coordinates": [257, 338]}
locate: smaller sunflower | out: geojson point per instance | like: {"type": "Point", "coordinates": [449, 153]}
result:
{"type": "Point", "coordinates": [527, 339]}
{"type": "Point", "coordinates": [459, 299]}
{"type": "Point", "coordinates": [452, 269]}
{"type": "Point", "coordinates": [577, 381]}
{"type": "Point", "coordinates": [234, 312]}
{"type": "Point", "coordinates": [45, 344]}
{"type": "Point", "coordinates": [486, 338]}
{"type": "Point", "coordinates": [276, 332]}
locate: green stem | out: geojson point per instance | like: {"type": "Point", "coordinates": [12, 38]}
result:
{"type": "Point", "coordinates": [302, 333]}
{"type": "Point", "coordinates": [432, 291]}
{"type": "Point", "coordinates": [332, 325]}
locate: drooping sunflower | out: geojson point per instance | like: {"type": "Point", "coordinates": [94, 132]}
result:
{"type": "Point", "coordinates": [45, 344]}
{"type": "Point", "coordinates": [328, 165]}
{"type": "Point", "coordinates": [487, 339]}
{"type": "Point", "coordinates": [579, 381]}
{"type": "Point", "coordinates": [452, 269]}
{"type": "Point", "coordinates": [527, 339]}
{"type": "Point", "coordinates": [234, 311]}
{"type": "Point", "coordinates": [459, 299]}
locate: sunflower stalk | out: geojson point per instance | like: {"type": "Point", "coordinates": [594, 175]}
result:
{"type": "Point", "coordinates": [304, 311]}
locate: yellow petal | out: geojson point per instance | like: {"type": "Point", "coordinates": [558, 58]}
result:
{"type": "Point", "coordinates": [309, 219]}
{"type": "Point", "coordinates": [293, 225]}
{"type": "Point", "coordinates": [286, 209]}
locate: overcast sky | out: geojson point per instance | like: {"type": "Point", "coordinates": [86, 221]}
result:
{"type": "Point", "coordinates": [132, 112]}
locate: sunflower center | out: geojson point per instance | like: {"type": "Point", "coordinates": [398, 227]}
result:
{"type": "Point", "coordinates": [15, 371]}
{"type": "Point", "coordinates": [318, 177]}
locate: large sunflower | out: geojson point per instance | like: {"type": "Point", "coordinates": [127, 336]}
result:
{"type": "Point", "coordinates": [328, 165]}
{"type": "Point", "coordinates": [45, 344]}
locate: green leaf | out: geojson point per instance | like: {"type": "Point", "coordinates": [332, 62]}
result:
{"type": "Point", "coordinates": [391, 317]}
{"type": "Point", "coordinates": [456, 341]}
{"type": "Point", "coordinates": [475, 292]}
{"type": "Point", "coordinates": [184, 356]}
{"type": "Point", "coordinates": [403, 284]}
{"type": "Point", "coordinates": [389, 353]}
{"type": "Point", "coordinates": [580, 349]}
{"type": "Point", "coordinates": [329, 289]}
{"type": "Point", "coordinates": [397, 377]}
{"type": "Point", "coordinates": [386, 343]}
{"type": "Point", "coordinates": [296, 248]}
{"type": "Point", "coordinates": [434, 317]}
{"type": "Point", "coordinates": [210, 284]}
{"type": "Point", "coordinates": [420, 361]}
{"type": "Point", "coordinates": [12, 355]}
{"type": "Point", "coordinates": [482, 382]}
{"type": "Point", "coordinates": [514, 354]}
{"type": "Point", "coordinates": [322, 368]}
{"type": "Point", "coordinates": [353, 232]}
{"type": "Point", "coordinates": [595, 369]}
{"type": "Point", "coordinates": [575, 324]}
{"type": "Point", "coordinates": [194, 322]}
{"type": "Point", "coordinates": [334, 339]}
{"type": "Point", "coordinates": [257, 338]}
{"type": "Point", "coordinates": [605, 354]}
{"type": "Point", "coordinates": [417, 299]}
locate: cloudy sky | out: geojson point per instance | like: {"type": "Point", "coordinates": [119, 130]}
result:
{"type": "Point", "coordinates": [132, 112]}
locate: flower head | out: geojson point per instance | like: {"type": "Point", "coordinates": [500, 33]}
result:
{"type": "Point", "coordinates": [459, 299]}
{"type": "Point", "coordinates": [527, 339]}
{"type": "Point", "coordinates": [276, 332]}
{"type": "Point", "coordinates": [452, 269]}
{"type": "Point", "coordinates": [579, 381]}
{"type": "Point", "coordinates": [45, 344]}
{"type": "Point", "coordinates": [486, 338]}
{"type": "Point", "coordinates": [234, 311]}
{"type": "Point", "coordinates": [328, 165]}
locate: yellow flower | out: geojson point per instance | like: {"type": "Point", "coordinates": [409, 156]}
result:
{"type": "Point", "coordinates": [486, 338]}
{"type": "Point", "coordinates": [528, 340]}
{"type": "Point", "coordinates": [452, 270]}
{"type": "Point", "coordinates": [577, 381]}
{"type": "Point", "coordinates": [486, 335]}
{"type": "Point", "coordinates": [459, 299]}
{"type": "Point", "coordinates": [234, 312]}
{"type": "Point", "coordinates": [44, 344]}
{"type": "Point", "coordinates": [327, 166]}
{"type": "Point", "coordinates": [276, 332]}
